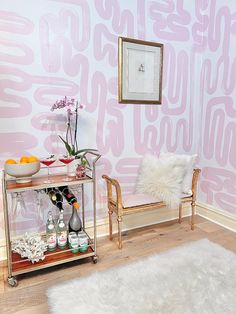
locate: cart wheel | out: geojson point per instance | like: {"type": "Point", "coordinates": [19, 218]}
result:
{"type": "Point", "coordinates": [95, 259]}
{"type": "Point", "coordinates": [12, 281]}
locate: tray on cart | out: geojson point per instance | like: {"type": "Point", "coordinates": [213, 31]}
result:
{"type": "Point", "coordinates": [58, 256]}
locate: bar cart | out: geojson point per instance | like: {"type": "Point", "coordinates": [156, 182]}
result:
{"type": "Point", "coordinates": [10, 188]}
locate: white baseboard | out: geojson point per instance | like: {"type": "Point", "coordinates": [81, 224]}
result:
{"type": "Point", "coordinates": [154, 216]}
{"type": "Point", "coordinates": [142, 219]}
{"type": "Point", "coordinates": [3, 254]}
{"type": "Point", "coordinates": [217, 216]}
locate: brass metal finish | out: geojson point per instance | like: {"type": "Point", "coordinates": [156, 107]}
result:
{"type": "Point", "coordinates": [17, 265]}
{"type": "Point", "coordinates": [7, 229]}
{"type": "Point", "coordinates": [115, 204]}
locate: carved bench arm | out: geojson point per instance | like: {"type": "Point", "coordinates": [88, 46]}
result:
{"type": "Point", "coordinates": [196, 173]}
{"type": "Point", "coordinates": [118, 198]}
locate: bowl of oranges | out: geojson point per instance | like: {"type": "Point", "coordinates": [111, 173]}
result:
{"type": "Point", "coordinates": [23, 169]}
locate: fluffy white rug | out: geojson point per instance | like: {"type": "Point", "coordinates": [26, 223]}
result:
{"type": "Point", "coordinates": [199, 277]}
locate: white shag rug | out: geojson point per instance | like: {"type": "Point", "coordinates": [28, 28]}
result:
{"type": "Point", "coordinates": [199, 277]}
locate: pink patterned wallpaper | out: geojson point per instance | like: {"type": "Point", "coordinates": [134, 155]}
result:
{"type": "Point", "coordinates": [54, 48]}
{"type": "Point", "coordinates": [217, 95]}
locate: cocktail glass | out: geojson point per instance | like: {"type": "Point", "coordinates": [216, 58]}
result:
{"type": "Point", "coordinates": [48, 161]}
{"type": "Point", "coordinates": [67, 160]}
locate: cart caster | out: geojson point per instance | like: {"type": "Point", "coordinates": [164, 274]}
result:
{"type": "Point", "coordinates": [12, 281]}
{"type": "Point", "coordinates": [95, 259]}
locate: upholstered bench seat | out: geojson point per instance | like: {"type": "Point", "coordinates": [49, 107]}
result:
{"type": "Point", "coordinates": [132, 200]}
{"type": "Point", "coordinates": [135, 200]}
{"type": "Point", "coordinates": [131, 203]}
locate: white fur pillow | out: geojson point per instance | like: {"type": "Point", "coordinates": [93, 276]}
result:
{"type": "Point", "coordinates": [189, 161]}
{"type": "Point", "coordinates": [161, 179]}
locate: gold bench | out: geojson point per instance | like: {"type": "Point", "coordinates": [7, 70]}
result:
{"type": "Point", "coordinates": [129, 204]}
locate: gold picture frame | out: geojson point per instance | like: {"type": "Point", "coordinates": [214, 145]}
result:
{"type": "Point", "coordinates": [140, 71]}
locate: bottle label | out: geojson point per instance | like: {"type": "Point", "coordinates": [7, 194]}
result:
{"type": "Point", "coordinates": [83, 242]}
{"type": "Point", "coordinates": [70, 198]}
{"type": "Point", "coordinates": [51, 226]}
{"type": "Point", "coordinates": [62, 238]}
{"type": "Point", "coordinates": [70, 236]}
{"type": "Point", "coordinates": [61, 225]}
{"type": "Point", "coordinates": [52, 241]}
{"type": "Point", "coordinates": [74, 244]}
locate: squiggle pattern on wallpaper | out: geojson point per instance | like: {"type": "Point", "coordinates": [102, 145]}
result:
{"type": "Point", "coordinates": [70, 48]}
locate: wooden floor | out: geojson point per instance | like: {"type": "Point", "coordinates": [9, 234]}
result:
{"type": "Point", "coordinates": [30, 295]}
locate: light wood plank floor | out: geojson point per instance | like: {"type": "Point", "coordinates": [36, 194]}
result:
{"type": "Point", "coordinates": [30, 295]}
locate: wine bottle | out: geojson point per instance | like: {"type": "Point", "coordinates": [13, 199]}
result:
{"type": "Point", "coordinates": [75, 223]}
{"type": "Point", "coordinates": [69, 196]}
{"type": "Point", "coordinates": [55, 197]}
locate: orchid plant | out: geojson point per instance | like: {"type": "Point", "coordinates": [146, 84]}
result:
{"type": "Point", "coordinates": [72, 107]}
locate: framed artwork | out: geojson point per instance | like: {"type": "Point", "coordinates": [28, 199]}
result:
{"type": "Point", "coordinates": [140, 71]}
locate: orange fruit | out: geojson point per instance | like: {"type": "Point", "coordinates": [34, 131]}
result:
{"type": "Point", "coordinates": [33, 159]}
{"type": "Point", "coordinates": [10, 161]}
{"type": "Point", "coordinates": [24, 159]}
{"type": "Point", "coordinates": [23, 162]}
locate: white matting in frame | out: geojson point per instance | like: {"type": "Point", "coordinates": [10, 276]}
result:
{"type": "Point", "coordinates": [140, 71]}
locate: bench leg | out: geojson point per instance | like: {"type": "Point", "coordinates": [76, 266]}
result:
{"type": "Point", "coordinates": [180, 213]}
{"type": "Point", "coordinates": [119, 220]}
{"type": "Point", "coordinates": [110, 224]}
{"type": "Point", "coordinates": [193, 204]}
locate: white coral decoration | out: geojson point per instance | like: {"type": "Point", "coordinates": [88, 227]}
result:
{"type": "Point", "coordinates": [32, 247]}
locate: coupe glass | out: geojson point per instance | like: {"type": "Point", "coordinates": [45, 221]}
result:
{"type": "Point", "coordinates": [67, 160]}
{"type": "Point", "coordinates": [48, 161]}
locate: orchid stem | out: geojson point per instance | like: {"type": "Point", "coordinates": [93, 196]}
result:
{"type": "Point", "coordinates": [76, 122]}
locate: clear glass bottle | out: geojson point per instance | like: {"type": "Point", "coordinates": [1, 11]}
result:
{"type": "Point", "coordinates": [75, 223]}
{"type": "Point", "coordinates": [61, 232]}
{"type": "Point", "coordinates": [51, 235]}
